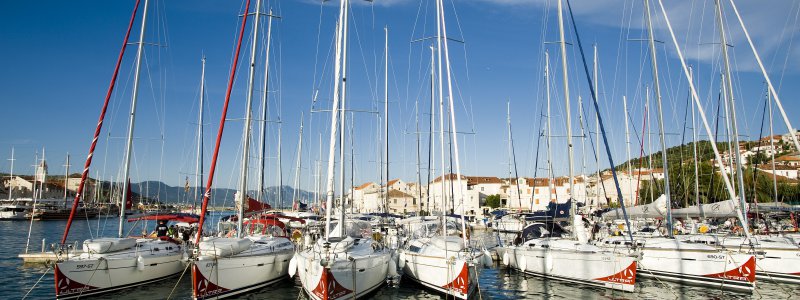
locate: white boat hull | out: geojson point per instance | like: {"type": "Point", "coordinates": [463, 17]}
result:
{"type": "Point", "coordinates": [91, 273]}
{"type": "Point", "coordinates": [456, 278]}
{"type": "Point", "coordinates": [672, 260]}
{"type": "Point", "coordinates": [348, 274]}
{"type": "Point", "coordinates": [603, 269]}
{"type": "Point", "coordinates": [216, 277]}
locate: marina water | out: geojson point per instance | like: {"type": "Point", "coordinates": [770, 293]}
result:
{"type": "Point", "coordinates": [497, 282]}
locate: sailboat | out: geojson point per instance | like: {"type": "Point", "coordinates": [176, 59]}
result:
{"type": "Point", "coordinates": [432, 256]}
{"type": "Point", "coordinates": [545, 249]}
{"type": "Point", "coordinates": [676, 259]}
{"type": "Point", "coordinates": [777, 259]}
{"type": "Point", "coordinates": [113, 263]}
{"type": "Point", "coordinates": [345, 262]}
{"type": "Point", "coordinates": [259, 253]}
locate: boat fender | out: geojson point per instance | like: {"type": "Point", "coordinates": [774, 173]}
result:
{"type": "Point", "coordinates": [392, 268]}
{"type": "Point", "coordinates": [506, 259]}
{"type": "Point", "coordinates": [401, 260]}
{"type": "Point", "coordinates": [487, 258]}
{"type": "Point", "coordinates": [521, 263]}
{"type": "Point", "coordinates": [292, 267]}
{"type": "Point", "coordinates": [140, 263]}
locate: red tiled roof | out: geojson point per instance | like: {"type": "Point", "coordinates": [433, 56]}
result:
{"type": "Point", "coordinates": [363, 186]}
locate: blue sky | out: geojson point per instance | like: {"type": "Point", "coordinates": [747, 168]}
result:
{"type": "Point", "coordinates": [57, 60]}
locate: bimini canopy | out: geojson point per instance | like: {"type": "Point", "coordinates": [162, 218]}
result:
{"type": "Point", "coordinates": [175, 217]}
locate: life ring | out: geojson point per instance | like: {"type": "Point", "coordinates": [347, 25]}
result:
{"type": "Point", "coordinates": [230, 233]}
{"type": "Point", "coordinates": [737, 229]}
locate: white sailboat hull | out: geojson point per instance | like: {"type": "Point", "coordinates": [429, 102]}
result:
{"type": "Point", "coordinates": [91, 273]}
{"type": "Point", "coordinates": [603, 269]}
{"type": "Point", "coordinates": [262, 264]}
{"type": "Point", "coordinates": [349, 274]}
{"type": "Point", "coordinates": [777, 259]}
{"type": "Point", "coordinates": [672, 260]}
{"type": "Point", "coordinates": [456, 278]}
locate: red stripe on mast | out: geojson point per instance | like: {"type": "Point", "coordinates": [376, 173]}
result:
{"type": "Point", "coordinates": [85, 173]}
{"type": "Point", "coordinates": [210, 181]}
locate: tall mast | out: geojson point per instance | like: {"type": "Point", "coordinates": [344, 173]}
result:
{"type": "Point", "coordinates": [11, 173]}
{"type": "Point", "coordinates": [584, 135]}
{"type": "Point", "coordinates": [264, 108]}
{"type": "Point", "coordinates": [732, 104]}
{"type": "Point", "coordinates": [343, 91]}
{"type": "Point", "coordinates": [453, 127]}
{"type": "Point", "coordinates": [694, 157]}
{"type": "Point", "coordinates": [562, 43]}
{"type": "Point", "coordinates": [628, 148]}
{"type": "Point", "coordinates": [441, 109]}
{"type": "Point", "coordinates": [772, 156]}
{"type": "Point", "coordinates": [419, 158]}
{"type": "Point", "coordinates": [431, 127]}
{"type": "Point", "coordinates": [386, 109]}
{"type": "Point", "coordinates": [511, 159]}
{"type": "Point", "coordinates": [242, 195]}
{"type": "Point", "coordinates": [295, 205]}
{"type": "Point", "coordinates": [198, 178]}
{"type": "Point", "coordinates": [550, 183]}
{"type": "Point", "coordinates": [657, 90]}
{"type": "Point", "coordinates": [717, 156]}
{"type": "Point", "coordinates": [596, 130]}
{"type": "Point", "coordinates": [131, 121]}
{"type": "Point", "coordinates": [334, 118]}
{"type": "Point", "coordinates": [215, 155]}
{"type": "Point", "coordinates": [279, 169]}
{"type": "Point", "coordinates": [66, 180]}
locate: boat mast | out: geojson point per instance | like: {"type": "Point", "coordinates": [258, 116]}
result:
{"type": "Point", "coordinates": [131, 121]}
{"type": "Point", "coordinates": [342, 111]}
{"type": "Point", "coordinates": [295, 205]}
{"type": "Point", "coordinates": [242, 195]}
{"type": "Point", "coordinates": [334, 119]}
{"type": "Point", "coordinates": [694, 157]}
{"type": "Point", "coordinates": [419, 159]}
{"type": "Point", "coordinates": [717, 156]}
{"type": "Point", "coordinates": [550, 183]}
{"type": "Point", "coordinates": [596, 130]}
{"type": "Point", "coordinates": [627, 148]}
{"type": "Point", "coordinates": [431, 127]}
{"type": "Point", "coordinates": [214, 157]}
{"type": "Point", "coordinates": [771, 144]}
{"type": "Point", "coordinates": [512, 161]}
{"type": "Point", "coordinates": [454, 129]}
{"type": "Point", "coordinates": [439, 43]}
{"type": "Point", "coordinates": [657, 90]}
{"type": "Point", "coordinates": [386, 110]}
{"type": "Point", "coordinates": [264, 107]}
{"type": "Point", "coordinates": [198, 178]}
{"type": "Point", "coordinates": [11, 173]}
{"type": "Point", "coordinates": [732, 104]}
{"type": "Point", "coordinates": [562, 42]}
{"type": "Point", "coordinates": [66, 177]}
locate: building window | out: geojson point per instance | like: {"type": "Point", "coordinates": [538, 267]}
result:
{"type": "Point", "coordinates": [395, 201]}
{"type": "Point", "coordinates": [481, 189]}
{"type": "Point", "coordinates": [414, 201]}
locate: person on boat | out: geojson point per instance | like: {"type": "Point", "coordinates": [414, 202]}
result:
{"type": "Point", "coordinates": [161, 228]}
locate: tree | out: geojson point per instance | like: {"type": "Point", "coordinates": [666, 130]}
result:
{"type": "Point", "coordinates": [493, 201]}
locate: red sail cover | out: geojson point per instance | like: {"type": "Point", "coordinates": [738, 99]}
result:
{"type": "Point", "coordinates": [129, 199]}
{"type": "Point", "coordinates": [255, 205]}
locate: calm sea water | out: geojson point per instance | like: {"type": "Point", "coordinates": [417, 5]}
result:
{"type": "Point", "coordinates": [17, 280]}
